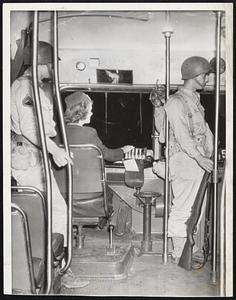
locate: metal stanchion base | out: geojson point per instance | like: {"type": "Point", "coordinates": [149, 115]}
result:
{"type": "Point", "coordinates": [149, 251]}
{"type": "Point", "coordinates": [146, 246]}
{"type": "Point", "coordinates": [103, 262]}
{"type": "Point", "coordinates": [213, 278]}
{"type": "Point", "coordinates": [152, 253]}
{"type": "Point", "coordinates": [111, 250]}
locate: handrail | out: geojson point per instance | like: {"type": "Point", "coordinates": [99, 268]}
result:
{"type": "Point", "coordinates": [45, 155]}
{"type": "Point", "coordinates": [66, 145]}
{"type": "Point", "coordinates": [167, 35]}
{"type": "Point", "coordinates": [95, 14]}
{"type": "Point", "coordinates": [124, 88]}
{"type": "Point", "coordinates": [28, 247]}
{"type": "Point", "coordinates": [215, 169]}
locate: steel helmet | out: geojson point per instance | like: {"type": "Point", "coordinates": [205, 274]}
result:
{"type": "Point", "coordinates": [194, 66]}
{"type": "Point", "coordinates": [213, 65]}
{"type": "Point", "coordinates": [45, 54]}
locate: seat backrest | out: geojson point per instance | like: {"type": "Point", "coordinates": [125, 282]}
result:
{"type": "Point", "coordinates": [88, 171]}
{"type": "Point", "coordinates": [32, 203]}
{"type": "Point", "coordinates": [22, 264]}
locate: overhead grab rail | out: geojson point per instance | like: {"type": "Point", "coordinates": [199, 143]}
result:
{"type": "Point", "coordinates": [144, 18]}
{"type": "Point", "coordinates": [45, 156]}
{"type": "Point", "coordinates": [65, 142]}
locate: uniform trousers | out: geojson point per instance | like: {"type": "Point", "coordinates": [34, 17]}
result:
{"type": "Point", "coordinates": [185, 176]}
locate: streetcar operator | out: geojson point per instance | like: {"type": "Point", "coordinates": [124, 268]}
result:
{"type": "Point", "coordinates": [78, 112]}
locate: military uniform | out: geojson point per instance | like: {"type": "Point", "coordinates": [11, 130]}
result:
{"type": "Point", "coordinates": [189, 136]}
{"type": "Point", "coordinates": [26, 164]}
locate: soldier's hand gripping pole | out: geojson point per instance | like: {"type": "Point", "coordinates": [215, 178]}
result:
{"type": "Point", "coordinates": [157, 98]}
{"type": "Point", "coordinates": [186, 257]}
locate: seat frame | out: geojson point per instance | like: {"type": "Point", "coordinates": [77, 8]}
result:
{"type": "Point", "coordinates": [103, 172]}
{"type": "Point", "coordinates": [56, 261]}
{"type": "Point", "coordinates": [15, 207]}
{"type": "Point", "coordinates": [81, 221]}
{"type": "Point", "coordinates": [28, 190]}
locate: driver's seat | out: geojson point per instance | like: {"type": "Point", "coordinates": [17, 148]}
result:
{"type": "Point", "coordinates": [92, 198]}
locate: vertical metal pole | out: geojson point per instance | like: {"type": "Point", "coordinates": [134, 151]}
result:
{"type": "Point", "coordinates": [222, 239]}
{"type": "Point", "coordinates": [167, 35]}
{"type": "Point", "coordinates": [215, 170]}
{"type": "Point", "coordinates": [66, 145]}
{"type": "Point", "coordinates": [106, 112]}
{"type": "Point", "coordinates": [147, 219]}
{"type": "Point", "coordinates": [45, 155]}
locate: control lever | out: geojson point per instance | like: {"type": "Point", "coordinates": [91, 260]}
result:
{"type": "Point", "coordinates": [111, 248]}
{"type": "Point", "coordinates": [75, 236]}
{"type": "Point", "coordinates": [138, 202]}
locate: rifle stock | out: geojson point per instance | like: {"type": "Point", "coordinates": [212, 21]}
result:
{"type": "Point", "coordinates": [186, 256]}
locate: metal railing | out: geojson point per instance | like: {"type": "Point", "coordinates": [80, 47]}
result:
{"type": "Point", "coordinates": [44, 154]}
{"type": "Point", "coordinates": [215, 169]}
{"type": "Point", "coordinates": [167, 35]}
{"type": "Point", "coordinates": [66, 145]}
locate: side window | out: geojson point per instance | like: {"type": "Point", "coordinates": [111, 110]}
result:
{"type": "Point", "coordinates": [208, 102]}
{"type": "Point", "coordinates": [120, 118]}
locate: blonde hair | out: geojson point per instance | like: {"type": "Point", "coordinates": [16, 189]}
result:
{"type": "Point", "coordinates": [78, 105]}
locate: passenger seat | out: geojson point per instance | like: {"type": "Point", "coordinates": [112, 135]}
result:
{"type": "Point", "coordinates": [32, 202]}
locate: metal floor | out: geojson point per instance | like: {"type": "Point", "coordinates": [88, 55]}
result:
{"type": "Point", "coordinates": [147, 276]}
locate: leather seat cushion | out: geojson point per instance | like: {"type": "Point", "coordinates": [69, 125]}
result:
{"type": "Point", "coordinates": [57, 245]}
{"type": "Point", "coordinates": [38, 266]}
{"type": "Point", "coordinates": [91, 204]}
{"type": "Point", "coordinates": [88, 207]}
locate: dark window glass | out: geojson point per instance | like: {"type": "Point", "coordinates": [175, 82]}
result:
{"type": "Point", "coordinates": [147, 122]}
{"type": "Point", "coordinates": [123, 119]}
{"type": "Point", "coordinates": [208, 102]}
{"type": "Point", "coordinates": [98, 117]}
{"type": "Point", "coordinates": [127, 118]}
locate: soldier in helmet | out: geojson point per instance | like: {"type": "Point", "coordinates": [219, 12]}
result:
{"type": "Point", "coordinates": [26, 157]}
{"type": "Point", "coordinates": [190, 147]}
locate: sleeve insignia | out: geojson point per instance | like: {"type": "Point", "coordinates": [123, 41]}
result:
{"type": "Point", "coordinates": [190, 115]}
{"type": "Point", "coordinates": [27, 101]}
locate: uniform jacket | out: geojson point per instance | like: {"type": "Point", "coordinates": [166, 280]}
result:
{"type": "Point", "coordinates": [23, 115]}
{"type": "Point", "coordinates": [88, 135]}
{"type": "Point", "coordinates": [24, 124]}
{"type": "Point", "coordinates": [189, 132]}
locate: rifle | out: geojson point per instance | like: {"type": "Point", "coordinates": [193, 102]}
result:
{"type": "Point", "coordinates": [186, 256]}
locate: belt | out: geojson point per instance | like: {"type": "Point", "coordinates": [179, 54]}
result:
{"type": "Point", "coordinates": [19, 139]}
{"type": "Point", "coordinates": [173, 148]}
